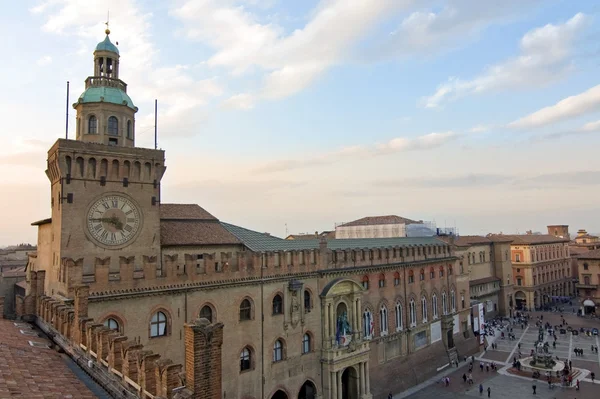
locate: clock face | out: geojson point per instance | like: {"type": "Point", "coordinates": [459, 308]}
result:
{"type": "Point", "coordinates": [113, 220]}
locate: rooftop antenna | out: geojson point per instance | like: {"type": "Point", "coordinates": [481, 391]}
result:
{"type": "Point", "coordinates": [67, 121]}
{"type": "Point", "coordinates": [155, 124]}
{"type": "Point", "coordinates": [286, 230]}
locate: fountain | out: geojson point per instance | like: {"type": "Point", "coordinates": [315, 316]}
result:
{"type": "Point", "coordinates": [542, 359]}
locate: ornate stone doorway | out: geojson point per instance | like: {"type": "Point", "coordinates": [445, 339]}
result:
{"type": "Point", "coordinates": [350, 383]}
{"type": "Point", "coordinates": [308, 391]}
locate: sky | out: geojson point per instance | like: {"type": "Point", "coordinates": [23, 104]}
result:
{"type": "Point", "coordinates": [289, 116]}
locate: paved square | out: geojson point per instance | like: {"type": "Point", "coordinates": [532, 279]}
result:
{"type": "Point", "coordinates": [516, 387]}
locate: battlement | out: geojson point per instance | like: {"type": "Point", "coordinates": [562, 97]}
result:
{"type": "Point", "coordinates": [118, 275]}
{"type": "Point", "coordinates": [71, 160]}
{"type": "Point", "coordinates": [106, 352]}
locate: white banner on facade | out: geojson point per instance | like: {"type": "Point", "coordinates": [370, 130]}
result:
{"type": "Point", "coordinates": [490, 306]}
{"type": "Point", "coordinates": [456, 328]}
{"type": "Point", "coordinates": [436, 331]}
{"type": "Point", "coordinates": [481, 322]}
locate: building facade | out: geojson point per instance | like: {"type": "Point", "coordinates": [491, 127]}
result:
{"type": "Point", "coordinates": [310, 318]}
{"type": "Point", "coordinates": [588, 266]}
{"type": "Point", "coordinates": [488, 266]}
{"type": "Point", "coordinates": [381, 227]}
{"type": "Point", "coordinates": [541, 269]}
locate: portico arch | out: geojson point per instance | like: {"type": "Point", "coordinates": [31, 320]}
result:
{"type": "Point", "coordinates": [279, 395]}
{"type": "Point", "coordinates": [308, 390]}
{"type": "Point", "coordinates": [520, 299]}
{"type": "Point", "coordinates": [350, 383]}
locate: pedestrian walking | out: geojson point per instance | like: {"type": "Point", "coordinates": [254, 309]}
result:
{"type": "Point", "coordinates": [390, 396]}
{"type": "Point", "coordinates": [464, 378]}
{"type": "Point", "coordinates": [480, 389]}
{"type": "Point", "coordinates": [489, 391]}
{"type": "Point", "coordinates": [593, 376]}
{"type": "Point", "coordinates": [534, 387]}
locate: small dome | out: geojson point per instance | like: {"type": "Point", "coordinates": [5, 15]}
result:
{"type": "Point", "coordinates": [106, 94]}
{"type": "Point", "coordinates": [106, 45]}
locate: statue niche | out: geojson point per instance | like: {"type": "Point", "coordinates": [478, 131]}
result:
{"type": "Point", "coordinates": [343, 331]}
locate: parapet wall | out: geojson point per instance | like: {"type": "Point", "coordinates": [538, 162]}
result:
{"type": "Point", "coordinates": [181, 267]}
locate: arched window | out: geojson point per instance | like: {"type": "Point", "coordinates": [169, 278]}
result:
{"type": "Point", "coordinates": [158, 325]}
{"type": "Point", "coordinates": [411, 277]}
{"type": "Point", "coordinates": [422, 275]}
{"type": "Point", "coordinates": [444, 303]}
{"type": "Point", "coordinates": [367, 324]}
{"type": "Point", "coordinates": [424, 309]}
{"type": "Point", "coordinates": [129, 130]}
{"type": "Point", "coordinates": [206, 313]}
{"type": "Point", "coordinates": [245, 310]}
{"type": "Point", "coordinates": [399, 323]}
{"type": "Point", "coordinates": [306, 343]}
{"type": "Point", "coordinates": [365, 282]}
{"type": "Point", "coordinates": [245, 359]}
{"type": "Point", "coordinates": [412, 311]}
{"type": "Point", "coordinates": [113, 126]}
{"type": "Point", "coordinates": [434, 306]}
{"type": "Point", "coordinates": [441, 271]}
{"type": "Point", "coordinates": [453, 300]}
{"type": "Point", "coordinates": [432, 273]}
{"type": "Point", "coordinates": [92, 125]}
{"type": "Point", "coordinates": [383, 321]}
{"type": "Point", "coordinates": [396, 278]}
{"type": "Point", "coordinates": [381, 280]}
{"type": "Point", "coordinates": [113, 324]}
{"type": "Point", "coordinates": [277, 305]}
{"type": "Point", "coordinates": [307, 304]}
{"type": "Point", "coordinates": [278, 351]}
{"type": "Point", "coordinates": [449, 270]}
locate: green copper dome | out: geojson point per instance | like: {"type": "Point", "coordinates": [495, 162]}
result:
{"type": "Point", "coordinates": [111, 95]}
{"type": "Point", "coordinates": [106, 45]}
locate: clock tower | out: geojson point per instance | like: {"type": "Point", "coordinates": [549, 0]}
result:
{"type": "Point", "coordinates": [105, 191]}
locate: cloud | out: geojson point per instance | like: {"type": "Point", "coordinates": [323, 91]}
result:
{"type": "Point", "coordinates": [242, 101]}
{"type": "Point", "coordinates": [422, 31]}
{"type": "Point", "coordinates": [401, 144]}
{"type": "Point", "coordinates": [45, 60]}
{"type": "Point", "coordinates": [289, 62]}
{"type": "Point", "coordinates": [459, 181]}
{"type": "Point", "coordinates": [544, 59]}
{"type": "Point", "coordinates": [570, 107]}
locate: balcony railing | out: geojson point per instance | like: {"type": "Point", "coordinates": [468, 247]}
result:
{"type": "Point", "coordinates": [586, 286]}
{"type": "Point", "coordinates": [103, 81]}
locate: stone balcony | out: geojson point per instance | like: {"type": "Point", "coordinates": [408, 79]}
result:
{"type": "Point", "coordinates": [349, 353]}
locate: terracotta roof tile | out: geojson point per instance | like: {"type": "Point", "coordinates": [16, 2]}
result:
{"type": "Point", "coordinates": [30, 372]}
{"type": "Point", "coordinates": [375, 220]}
{"type": "Point", "coordinates": [595, 254]}
{"type": "Point", "coordinates": [466, 241]}
{"type": "Point", "coordinates": [195, 232]}
{"type": "Point", "coordinates": [184, 212]}
{"type": "Point", "coordinates": [524, 239]}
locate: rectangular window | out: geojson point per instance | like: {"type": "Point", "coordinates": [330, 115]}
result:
{"type": "Point", "coordinates": [517, 257]}
{"type": "Point", "coordinates": [411, 279]}
{"type": "Point", "coordinates": [420, 339]}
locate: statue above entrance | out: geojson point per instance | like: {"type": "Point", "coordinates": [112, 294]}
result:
{"type": "Point", "coordinates": [343, 334]}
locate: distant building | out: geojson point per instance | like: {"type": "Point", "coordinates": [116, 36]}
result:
{"type": "Point", "coordinates": [328, 235]}
{"type": "Point", "coordinates": [583, 239]}
{"type": "Point", "coordinates": [384, 227]}
{"type": "Point", "coordinates": [589, 280]}
{"type": "Point", "coordinates": [541, 266]}
{"type": "Point", "coordinates": [487, 263]}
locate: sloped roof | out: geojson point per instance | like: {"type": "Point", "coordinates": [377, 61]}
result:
{"type": "Point", "coordinates": [376, 220]}
{"type": "Point", "coordinates": [595, 254]}
{"type": "Point", "coordinates": [262, 242]}
{"type": "Point", "coordinates": [184, 212]}
{"type": "Point", "coordinates": [484, 280]}
{"type": "Point", "coordinates": [195, 232]}
{"type": "Point", "coordinates": [525, 239]}
{"type": "Point", "coordinates": [466, 241]}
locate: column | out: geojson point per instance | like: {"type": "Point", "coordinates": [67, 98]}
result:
{"type": "Point", "coordinates": [332, 324]}
{"type": "Point", "coordinates": [326, 322]}
{"type": "Point", "coordinates": [367, 378]}
{"type": "Point", "coordinates": [339, 384]}
{"type": "Point", "coordinates": [361, 385]}
{"type": "Point", "coordinates": [332, 385]}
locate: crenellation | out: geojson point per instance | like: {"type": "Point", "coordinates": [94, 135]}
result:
{"type": "Point", "coordinates": [115, 354]}
{"type": "Point", "coordinates": [147, 370]}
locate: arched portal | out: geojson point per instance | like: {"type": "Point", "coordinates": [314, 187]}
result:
{"type": "Point", "coordinates": [350, 384]}
{"type": "Point", "coordinates": [520, 299]}
{"type": "Point", "coordinates": [589, 306]}
{"type": "Point", "coordinates": [308, 391]}
{"type": "Point", "coordinates": [279, 395]}
{"type": "Point", "coordinates": [450, 338]}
